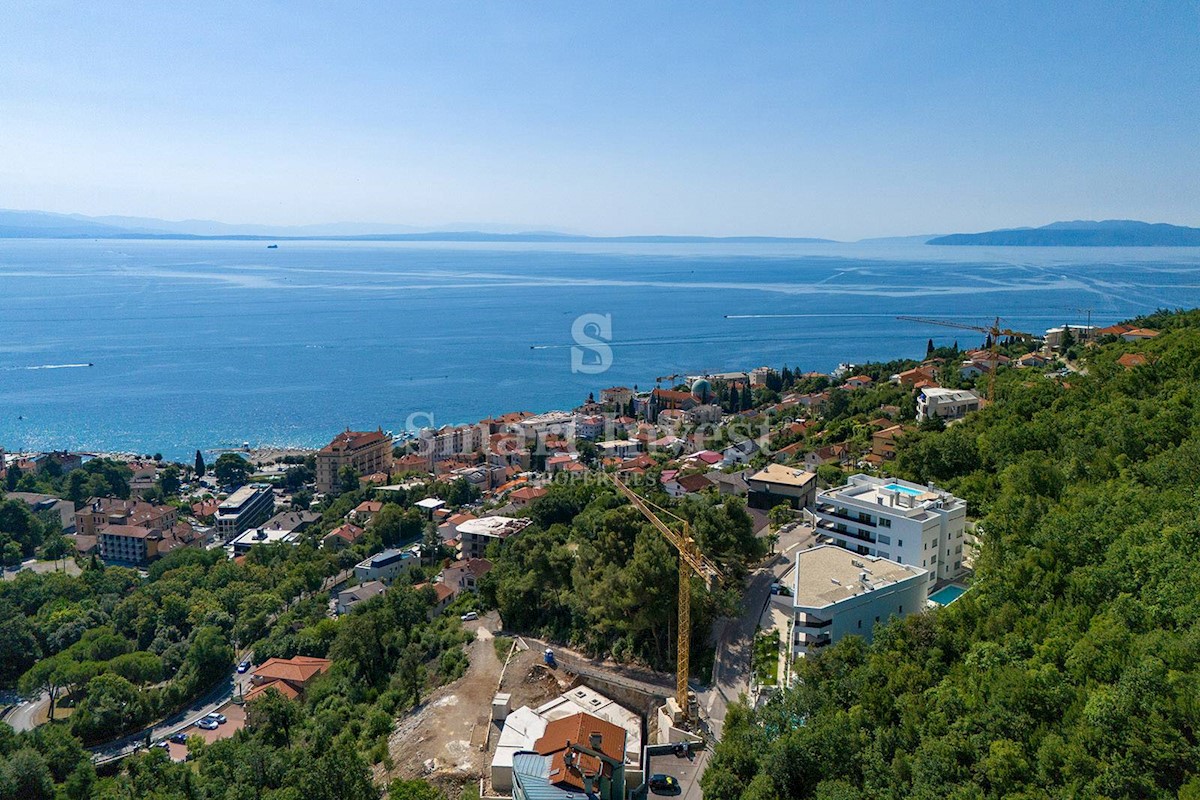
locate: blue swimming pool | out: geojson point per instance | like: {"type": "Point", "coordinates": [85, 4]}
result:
{"type": "Point", "coordinates": [947, 594]}
{"type": "Point", "coordinates": [895, 487]}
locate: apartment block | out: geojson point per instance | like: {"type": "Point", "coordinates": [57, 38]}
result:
{"type": "Point", "coordinates": [366, 452]}
{"type": "Point", "coordinates": [245, 508]}
{"type": "Point", "coordinates": [901, 521]}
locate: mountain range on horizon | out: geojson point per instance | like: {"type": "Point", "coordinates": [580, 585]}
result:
{"type": "Point", "coordinates": [50, 225]}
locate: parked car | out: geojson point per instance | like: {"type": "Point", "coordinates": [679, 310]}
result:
{"type": "Point", "coordinates": [470, 616]}
{"type": "Point", "coordinates": [163, 744]}
{"type": "Point", "coordinates": [243, 667]}
{"type": "Point", "coordinates": [218, 718]}
{"type": "Point", "coordinates": [207, 724]}
{"type": "Point", "coordinates": [177, 738]}
{"type": "Point", "coordinates": [663, 784]}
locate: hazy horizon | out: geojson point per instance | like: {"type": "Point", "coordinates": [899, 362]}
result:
{"type": "Point", "coordinates": [841, 123]}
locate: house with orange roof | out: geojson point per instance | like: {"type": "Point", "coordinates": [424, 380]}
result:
{"type": "Point", "coordinates": [364, 511]}
{"type": "Point", "coordinates": [586, 754]}
{"type": "Point", "coordinates": [910, 377]}
{"type": "Point", "coordinates": [1137, 334]}
{"type": "Point", "coordinates": [859, 382]}
{"type": "Point", "coordinates": [526, 495]}
{"type": "Point", "coordinates": [289, 676]}
{"type": "Point", "coordinates": [341, 537]}
{"type": "Point", "coordinates": [1131, 360]}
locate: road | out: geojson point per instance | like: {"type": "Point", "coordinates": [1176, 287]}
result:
{"type": "Point", "coordinates": [22, 716]}
{"type": "Point", "coordinates": [734, 637]}
{"type": "Point", "coordinates": [113, 751]}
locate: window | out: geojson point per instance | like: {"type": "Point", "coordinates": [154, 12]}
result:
{"type": "Point", "coordinates": [900, 543]}
{"type": "Point", "coordinates": [883, 538]}
{"type": "Point", "coordinates": [885, 523]}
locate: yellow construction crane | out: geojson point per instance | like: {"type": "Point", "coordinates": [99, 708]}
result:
{"type": "Point", "coordinates": [994, 332]}
{"type": "Point", "coordinates": [690, 560]}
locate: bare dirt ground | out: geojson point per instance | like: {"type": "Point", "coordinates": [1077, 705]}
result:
{"type": "Point", "coordinates": [449, 739]}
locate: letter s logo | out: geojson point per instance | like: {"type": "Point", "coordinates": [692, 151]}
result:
{"type": "Point", "coordinates": [585, 330]}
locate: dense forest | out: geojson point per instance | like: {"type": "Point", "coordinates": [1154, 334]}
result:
{"type": "Point", "coordinates": [592, 572]}
{"type": "Point", "coordinates": [1072, 666]}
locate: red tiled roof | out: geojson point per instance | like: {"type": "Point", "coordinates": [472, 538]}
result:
{"type": "Point", "coordinates": [578, 728]}
{"type": "Point", "coordinates": [527, 493]}
{"type": "Point", "coordinates": [280, 686]}
{"type": "Point", "coordinates": [297, 670]}
{"type": "Point", "coordinates": [1131, 360]}
{"type": "Point", "coordinates": [353, 440]}
{"type": "Point", "coordinates": [351, 533]}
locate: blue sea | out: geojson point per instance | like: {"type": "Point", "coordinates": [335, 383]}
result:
{"type": "Point", "coordinates": [203, 344]}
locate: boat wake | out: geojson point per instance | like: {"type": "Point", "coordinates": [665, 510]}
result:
{"type": "Point", "coordinates": [50, 366]}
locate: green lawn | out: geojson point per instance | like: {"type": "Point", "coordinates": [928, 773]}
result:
{"type": "Point", "coordinates": [766, 658]}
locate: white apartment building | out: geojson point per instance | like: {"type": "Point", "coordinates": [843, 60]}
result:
{"type": "Point", "coordinates": [897, 520]}
{"type": "Point", "coordinates": [949, 404]}
{"type": "Point", "coordinates": [836, 594]}
{"type": "Point", "coordinates": [245, 508]}
{"type": "Point", "coordinates": [589, 426]}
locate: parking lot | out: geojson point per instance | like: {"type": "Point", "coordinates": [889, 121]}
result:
{"type": "Point", "coordinates": [685, 770]}
{"type": "Point", "coordinates": [235, 720]}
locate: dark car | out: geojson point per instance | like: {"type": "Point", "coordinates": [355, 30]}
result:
{"type": "Point", "coordinates": [663, 784]}
{"type": "Point", "coordinates": [177, 738]}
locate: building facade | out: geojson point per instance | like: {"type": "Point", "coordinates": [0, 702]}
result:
{"type": "Point", "coordinates": [245, 508]}
{"type": "Point", "coordinates": [366, 452]}
{"type": "Point", "coordinates": [836, 593]}
{"type": "Point", "coordinates": [949, 404]}
{"type": "Point", "coordinates": [897, 520]}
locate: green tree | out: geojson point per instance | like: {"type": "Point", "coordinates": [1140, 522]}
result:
{"type": "Point", "coordinates": [169, 481]}
{"type": "Point", "coordinates": [199, 464]}
{"type": "Point", "coordinates": [348, 479]}
{"type": "Point", "coordinates": [26, 776]}
{"type": "Point", "coordinates": [274, 717]}
{"type": "Point", "coordinates": [232, 470]}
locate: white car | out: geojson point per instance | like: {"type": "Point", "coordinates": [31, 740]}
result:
{"type": "Point", "coordinates": [207, 724]}
{"type": "Point", "coordinates": [470, 616]}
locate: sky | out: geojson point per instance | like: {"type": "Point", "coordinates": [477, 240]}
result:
{"type": "Point", "coordinates": [841, 120]}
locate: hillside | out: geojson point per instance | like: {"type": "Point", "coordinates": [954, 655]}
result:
{"type": "Point", "coordinates": [1082, 233]}
{"type": "Point", "coordinates": [1071, 668]}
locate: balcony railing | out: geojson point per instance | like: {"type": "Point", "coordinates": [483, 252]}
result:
{"type": "Point", "coordinates": [830, 528]}
{"type": "Point", "coordinates": [832, 511]}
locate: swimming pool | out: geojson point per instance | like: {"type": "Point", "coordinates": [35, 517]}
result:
{"type": "Point", "coordinates": [947, 594]}
{"type": "Point", "coordinates": [895, 487]}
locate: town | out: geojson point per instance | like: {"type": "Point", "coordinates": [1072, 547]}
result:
{"type": "Point", "coordinates": [767, 520]}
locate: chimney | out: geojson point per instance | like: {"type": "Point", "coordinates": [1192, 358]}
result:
{"type": "Point", "coordinates": [596, 739]}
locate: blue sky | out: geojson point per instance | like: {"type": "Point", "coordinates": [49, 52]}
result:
{"type": "Point", "coordinates": [839, 119]}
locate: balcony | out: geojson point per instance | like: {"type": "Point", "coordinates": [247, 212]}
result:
{"type": "Point", "coordinates": [827, 510]}
{"type": "Point", "coordinates": [831, 529]}
{"type": "Point", "coordinates": [810, 623]}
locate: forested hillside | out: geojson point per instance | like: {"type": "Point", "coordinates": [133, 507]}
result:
{"type": "Point", "coordinates": [1072, 667]}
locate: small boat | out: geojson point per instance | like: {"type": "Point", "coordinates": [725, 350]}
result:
{"type": "Point", "coordinates": [272, 247]}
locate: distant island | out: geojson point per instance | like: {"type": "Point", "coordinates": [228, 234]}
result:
{"type": "Point", "coordinates": [46, 225]}
{"type": "Point", "coordinates": [1082, 233]}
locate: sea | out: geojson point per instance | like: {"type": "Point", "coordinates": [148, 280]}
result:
{"type": "Point", "coordinates": [172, 346]}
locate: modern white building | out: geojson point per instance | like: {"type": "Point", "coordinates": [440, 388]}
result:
{"type": "Point", "coordinates": [241, 544]}
{"type": "Point", "coordinates": [897, 520]}
{"type": "Point", "coordinates": [949, 404]}
{"type": "Point", "coordinates": [474, 535]}
{"type": "Point", "coordinates": [245, 508]}
{"type": "Point", "coordinates": [386, 566]}
{"type": "Point", "coordinates": [837, 593]}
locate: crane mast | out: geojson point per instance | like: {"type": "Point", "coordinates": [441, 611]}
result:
{"type": "Point", "coordinates": [690, 560]}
